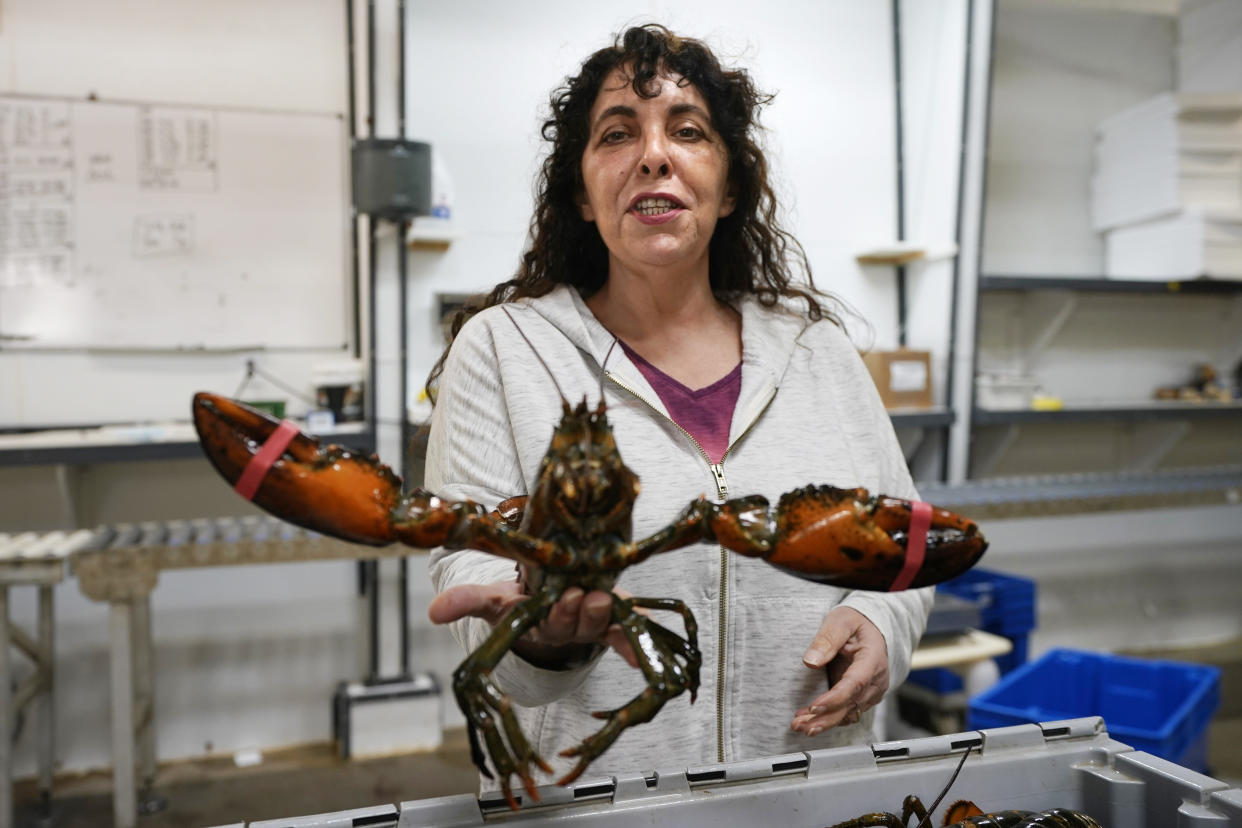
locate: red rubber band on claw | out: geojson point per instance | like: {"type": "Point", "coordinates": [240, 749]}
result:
{"type": "Point", "coordinates": [916, 545]}
{"type": "Point", "coordinates": [261, 463]}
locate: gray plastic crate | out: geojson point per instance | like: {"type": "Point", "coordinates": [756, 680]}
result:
{"type": "Point", "coordinates": [1071, 764]}
{"type": "Point", "coordinates": [380, 816]}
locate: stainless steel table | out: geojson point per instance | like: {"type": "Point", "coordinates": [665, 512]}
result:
{"type": "Point", "coordinates": [38, 560]}
{"type": "Point", "coordinates": [123, 571]}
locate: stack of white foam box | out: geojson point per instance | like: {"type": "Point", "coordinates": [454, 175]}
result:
{"type": "Point", "coordinates": [1209, 46]}
{"type": "Point", "coordinates": [1167, 187]}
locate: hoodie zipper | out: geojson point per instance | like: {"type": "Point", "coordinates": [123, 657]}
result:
{"type": "Point", "coordinates": [722, 491]}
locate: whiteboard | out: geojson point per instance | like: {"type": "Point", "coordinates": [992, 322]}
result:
{"type": "Point", "coordinates": [129, 225]}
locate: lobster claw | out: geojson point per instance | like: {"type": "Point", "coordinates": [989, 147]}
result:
{"type": "Point", "coordinates": [847, 538]}
{"type": "Point", "coordinates": [327, 489]}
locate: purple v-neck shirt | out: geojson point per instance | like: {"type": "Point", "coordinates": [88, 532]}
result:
{"type": "Point", "coordinates": [704, 413]}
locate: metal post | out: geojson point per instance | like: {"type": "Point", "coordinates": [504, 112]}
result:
{"type": "Point", "coordinates": [44, 701]}
{"type": "Point", "coordinates": [144, 704]}
{"type": "Point", "coordinates": [955, 282]}
{"type": "Point", "coordinates": [355, 285]}
{"type": "Point", "coordinates": [403, 567]}
{"type": "Point", "coordinates": [124, 802]}
{"type": "Point", "coordinates": [970, 245]}
{"type": "Point", "coordinates": [901, 173]}
{"type": "Point", "coordinates": [371, 567]}
{"type": "Point", "coordinates": [6, 729]}
{"type": "Point", "coordinates": [403, 570]}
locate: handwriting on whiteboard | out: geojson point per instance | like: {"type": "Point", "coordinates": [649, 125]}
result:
{"type": "Point", "coordinates": [167, 235]}
{"type": "Point", "coordinates": [111, 209]}
{"type": "Point", "coordinates": [36, 194]}
{"type": "Point", "coordinates": [176, 149]}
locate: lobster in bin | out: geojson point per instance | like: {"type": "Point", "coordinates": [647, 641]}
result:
{"type": "Point", "coordinates": [966, 814]}
{"type": "Point", "coordinates": [574, 529]}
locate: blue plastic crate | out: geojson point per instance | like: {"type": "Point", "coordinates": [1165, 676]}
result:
{"type": "Point", "coordinates": [1006, 607]}
{"type": "Point", "coordinates": [1161, 707]}
{"type": "Point", "coordinates": [1006, 602]}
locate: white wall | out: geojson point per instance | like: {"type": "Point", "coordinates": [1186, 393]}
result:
{"type": "Point", "coordinates": [830, 128]}
{"type": "Point", "coordinates": [274, 55]}
{"type": "Point", "coordinates": [1127, 580]}
{"type": "Point", "coordinates": [1057, 72]}
{"type": "Point", "coordinates": [933, 63]}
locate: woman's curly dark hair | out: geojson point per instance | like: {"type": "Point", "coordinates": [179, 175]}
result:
{"type": "Point", "coordinates": [749, 252]}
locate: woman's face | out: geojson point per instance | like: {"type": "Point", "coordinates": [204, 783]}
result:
{"type": "Point", "coordinates": [655, 175]}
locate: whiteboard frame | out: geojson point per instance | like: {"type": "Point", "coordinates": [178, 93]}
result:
{"type": "Point", "coordinates": [345, 322]}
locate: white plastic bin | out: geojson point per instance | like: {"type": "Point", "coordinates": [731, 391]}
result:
{"type": "Point", "coordinates": [1183, 245]}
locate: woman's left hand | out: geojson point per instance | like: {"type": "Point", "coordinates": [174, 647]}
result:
{"type": "Point", "coordinates": [856, 657]}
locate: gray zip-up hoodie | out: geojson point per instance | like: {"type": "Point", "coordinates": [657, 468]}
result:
{"type": "Point", "coordinates": [808, 413]}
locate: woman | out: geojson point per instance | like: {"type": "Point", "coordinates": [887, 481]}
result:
{"type": "Point", "coordinates": [655, 227]}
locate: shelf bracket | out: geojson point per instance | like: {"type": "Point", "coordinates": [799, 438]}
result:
{"type": "Point", "coordinates": [1151, 442]}
{"type": "Point", "coordinates": [920, 446]}
{"type": "Point", "coordinates": [989, 445]}
{"type": "Point", "coordinates": [912, 440]}
{"type": "Point", "coordinates": [1048, 312]}
{"type": "Point", "coordinates": [69, 482]}
{"type": "Point", "coordinates": [917, 446]}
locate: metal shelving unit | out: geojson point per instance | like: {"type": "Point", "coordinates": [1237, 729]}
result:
{"type": "Point", "coordinates": [1137, 412]}
{"type": "Point", "coordinates": [87, 446]}
{"type": "Point", "coordinates": [916, 430]}
{"type": "Point", "coordinates": [939, 417]}
{"type": "Point", "coordinates": [1105, 285]}
{"type": "Point", "coordinates": [1049, 303]}
{"type": "Point", "coordinates": [1039, 495]}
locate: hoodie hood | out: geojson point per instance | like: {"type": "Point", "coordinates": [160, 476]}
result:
{"type": "Point", "coordinates": [770, 337]}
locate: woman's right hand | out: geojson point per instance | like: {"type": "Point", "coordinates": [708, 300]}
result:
{"type": "Point", "coordinates": [576, 623]}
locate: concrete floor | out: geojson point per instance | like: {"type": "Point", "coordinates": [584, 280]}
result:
{"type": "Point", "coordinates": [293, 782]}
{"type": "Point", "coordinates": [312, 780]}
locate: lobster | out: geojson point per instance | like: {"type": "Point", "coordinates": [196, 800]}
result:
{"type": "Point", "coordinates": [963, 814]}
{"type": "Point", "coordinates": [574, 529]}
{"type": "Point", "coordinates": [966, 814]}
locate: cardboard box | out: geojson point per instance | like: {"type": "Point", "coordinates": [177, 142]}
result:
{"type": "Point", "coordinates": [903, 377]}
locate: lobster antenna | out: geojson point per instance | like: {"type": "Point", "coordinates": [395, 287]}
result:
{"type": "Point", "coordinates": [537, 355]}
{"type": "Point", "coordinates": [952, 779]}
{"type": "Point", "coordinates": [603, 369]}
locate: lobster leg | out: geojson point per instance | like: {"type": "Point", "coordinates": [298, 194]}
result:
{"type": "Point", "coordinates": [669, 663]}
{"type": "Point", "coordinates": [488, 710]}
{"type": "Point", "coordinates": [835, 536]}
{"type": "Point", "coordinates": [688, 647]}
{"type": "Point", "coordinates": [876, 820]}
{"type": "Point", "coordinates": [911, 807]}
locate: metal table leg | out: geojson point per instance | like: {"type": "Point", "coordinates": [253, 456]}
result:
{"type": "Point", "coordinates": [6, 718]}
{"type": "Point", "coordinates": [44, 702]}
{"type": "Point", "coordinates": [124, 812]}
{"type": "Point", "coordinates": [144, 704]}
